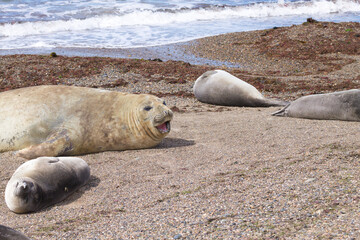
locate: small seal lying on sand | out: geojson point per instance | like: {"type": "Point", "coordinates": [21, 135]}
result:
{"type": "Point", "coordinates": [7, 233]}
{"type": "Point", "coordinates": [44, 181]}
{"type": "Point", "coordinates": [221, 88]}
{"type": "Point", "coordinates": [64, 120]}
{"type": "Point", "coordinates": [344, 105]}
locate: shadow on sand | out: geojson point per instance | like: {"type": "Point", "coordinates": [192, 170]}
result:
{"type": "Point", "coordinates": [174, 143]}
{"type": "Point", "coordinates": [93, 182]}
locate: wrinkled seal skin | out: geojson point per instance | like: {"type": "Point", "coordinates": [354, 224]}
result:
{"type": "Point", "coordinates": [343, 105]}
{"type": "Point", "coordinates": [7, 233]}
{"type": "Point", "coordinates": [221, 88]}
{"type": "Point", "coordinates": [44, 181]}
{"type": "Point", "coordinates": [65, 120]}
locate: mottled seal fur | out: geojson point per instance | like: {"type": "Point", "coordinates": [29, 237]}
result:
{"type": "Point", "coordinates": [65, 120]}
{"type": "Point", "coordinates": [7, 233]}
{"type": "Point", "coordinates": [44, 181]}
{"type": "Point", "coordinates": [343, 105]}
{"type": "Point", "coordinates": [221, 88]}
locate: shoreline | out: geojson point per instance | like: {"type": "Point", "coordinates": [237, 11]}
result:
{"type": "Point", "coordinates": [248, 50]}
{"type": "Point", "coordinates": [167, 52]}
{"type": "Point", "coordinates": [285, 62]}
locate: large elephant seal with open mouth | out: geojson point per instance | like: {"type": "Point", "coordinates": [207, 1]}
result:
{"type": "Point", "coordinates": [343, 105]}
{"type": "Point", "coordinates": [221, 88]}
{"type": "Point", "coordinates": [44, 181]}
{"type": "Point", "coordinates": [65, 120]}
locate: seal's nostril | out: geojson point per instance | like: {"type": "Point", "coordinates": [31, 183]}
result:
{"type": "Point", "coordinates": [170, 113]}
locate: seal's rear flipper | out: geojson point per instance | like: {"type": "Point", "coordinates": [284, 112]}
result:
{"type": "Point", "coordinates": [57, 144]}
{"type": "Point", "coordinates": [281, 112]}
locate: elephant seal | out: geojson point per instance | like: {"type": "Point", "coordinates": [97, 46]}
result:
{"type": "Point", "coordinates": [66, 120]}
{"type": "Point", "coordinates": [44, 181]}
{"type": "Point", "coordinates": [7, 233]}
{"type": "Point", "coordinates": [221, 88]}
{"type": "Point", "coordinates": [343, 105]}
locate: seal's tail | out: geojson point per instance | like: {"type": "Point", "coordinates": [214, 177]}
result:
{"type": "Point", "coordinates": [281, 112]}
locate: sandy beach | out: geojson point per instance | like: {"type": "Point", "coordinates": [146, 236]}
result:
{"type": "Point", "coordinates": [222, 172]}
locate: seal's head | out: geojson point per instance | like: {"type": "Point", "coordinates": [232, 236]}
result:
{"type": "Point", "coordinates": [23, 195]}
{"type": "Point", "coordinates": [156, 116]}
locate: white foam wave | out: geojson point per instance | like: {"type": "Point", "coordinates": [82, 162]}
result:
{"type": "Point", "coordinates": [161, 18]}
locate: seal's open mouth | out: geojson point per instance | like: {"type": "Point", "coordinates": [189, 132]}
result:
{"type": "Point", "coordinates": [164, 127]}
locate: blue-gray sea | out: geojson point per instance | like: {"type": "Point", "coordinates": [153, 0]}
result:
{"type": "Point", "coordinates": [108, 24]}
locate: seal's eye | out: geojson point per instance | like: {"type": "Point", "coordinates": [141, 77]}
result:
{"type": "Point", "coordinates": [164, 103]}
{"type": "Point", "coordinates": [147, 108]}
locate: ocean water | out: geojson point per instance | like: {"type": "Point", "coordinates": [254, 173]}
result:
{"type": "Point", "coordinates": [110, 24]}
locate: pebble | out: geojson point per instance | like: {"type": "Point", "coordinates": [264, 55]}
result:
{"type": "Point", "coordinates": [178, 236]}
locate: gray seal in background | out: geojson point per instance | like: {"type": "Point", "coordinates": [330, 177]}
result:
{"type": "Point", "coordinates": [7, 233]}
{"type": "Point", "coordinates": [221, 88]}
{"type": "Point", "coordinates": [343, 105]}
{"type": "Point", "coordinates": [44, 181]}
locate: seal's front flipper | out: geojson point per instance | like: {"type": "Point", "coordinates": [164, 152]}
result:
{"type": "Point", "coordinates": [57, 144]}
